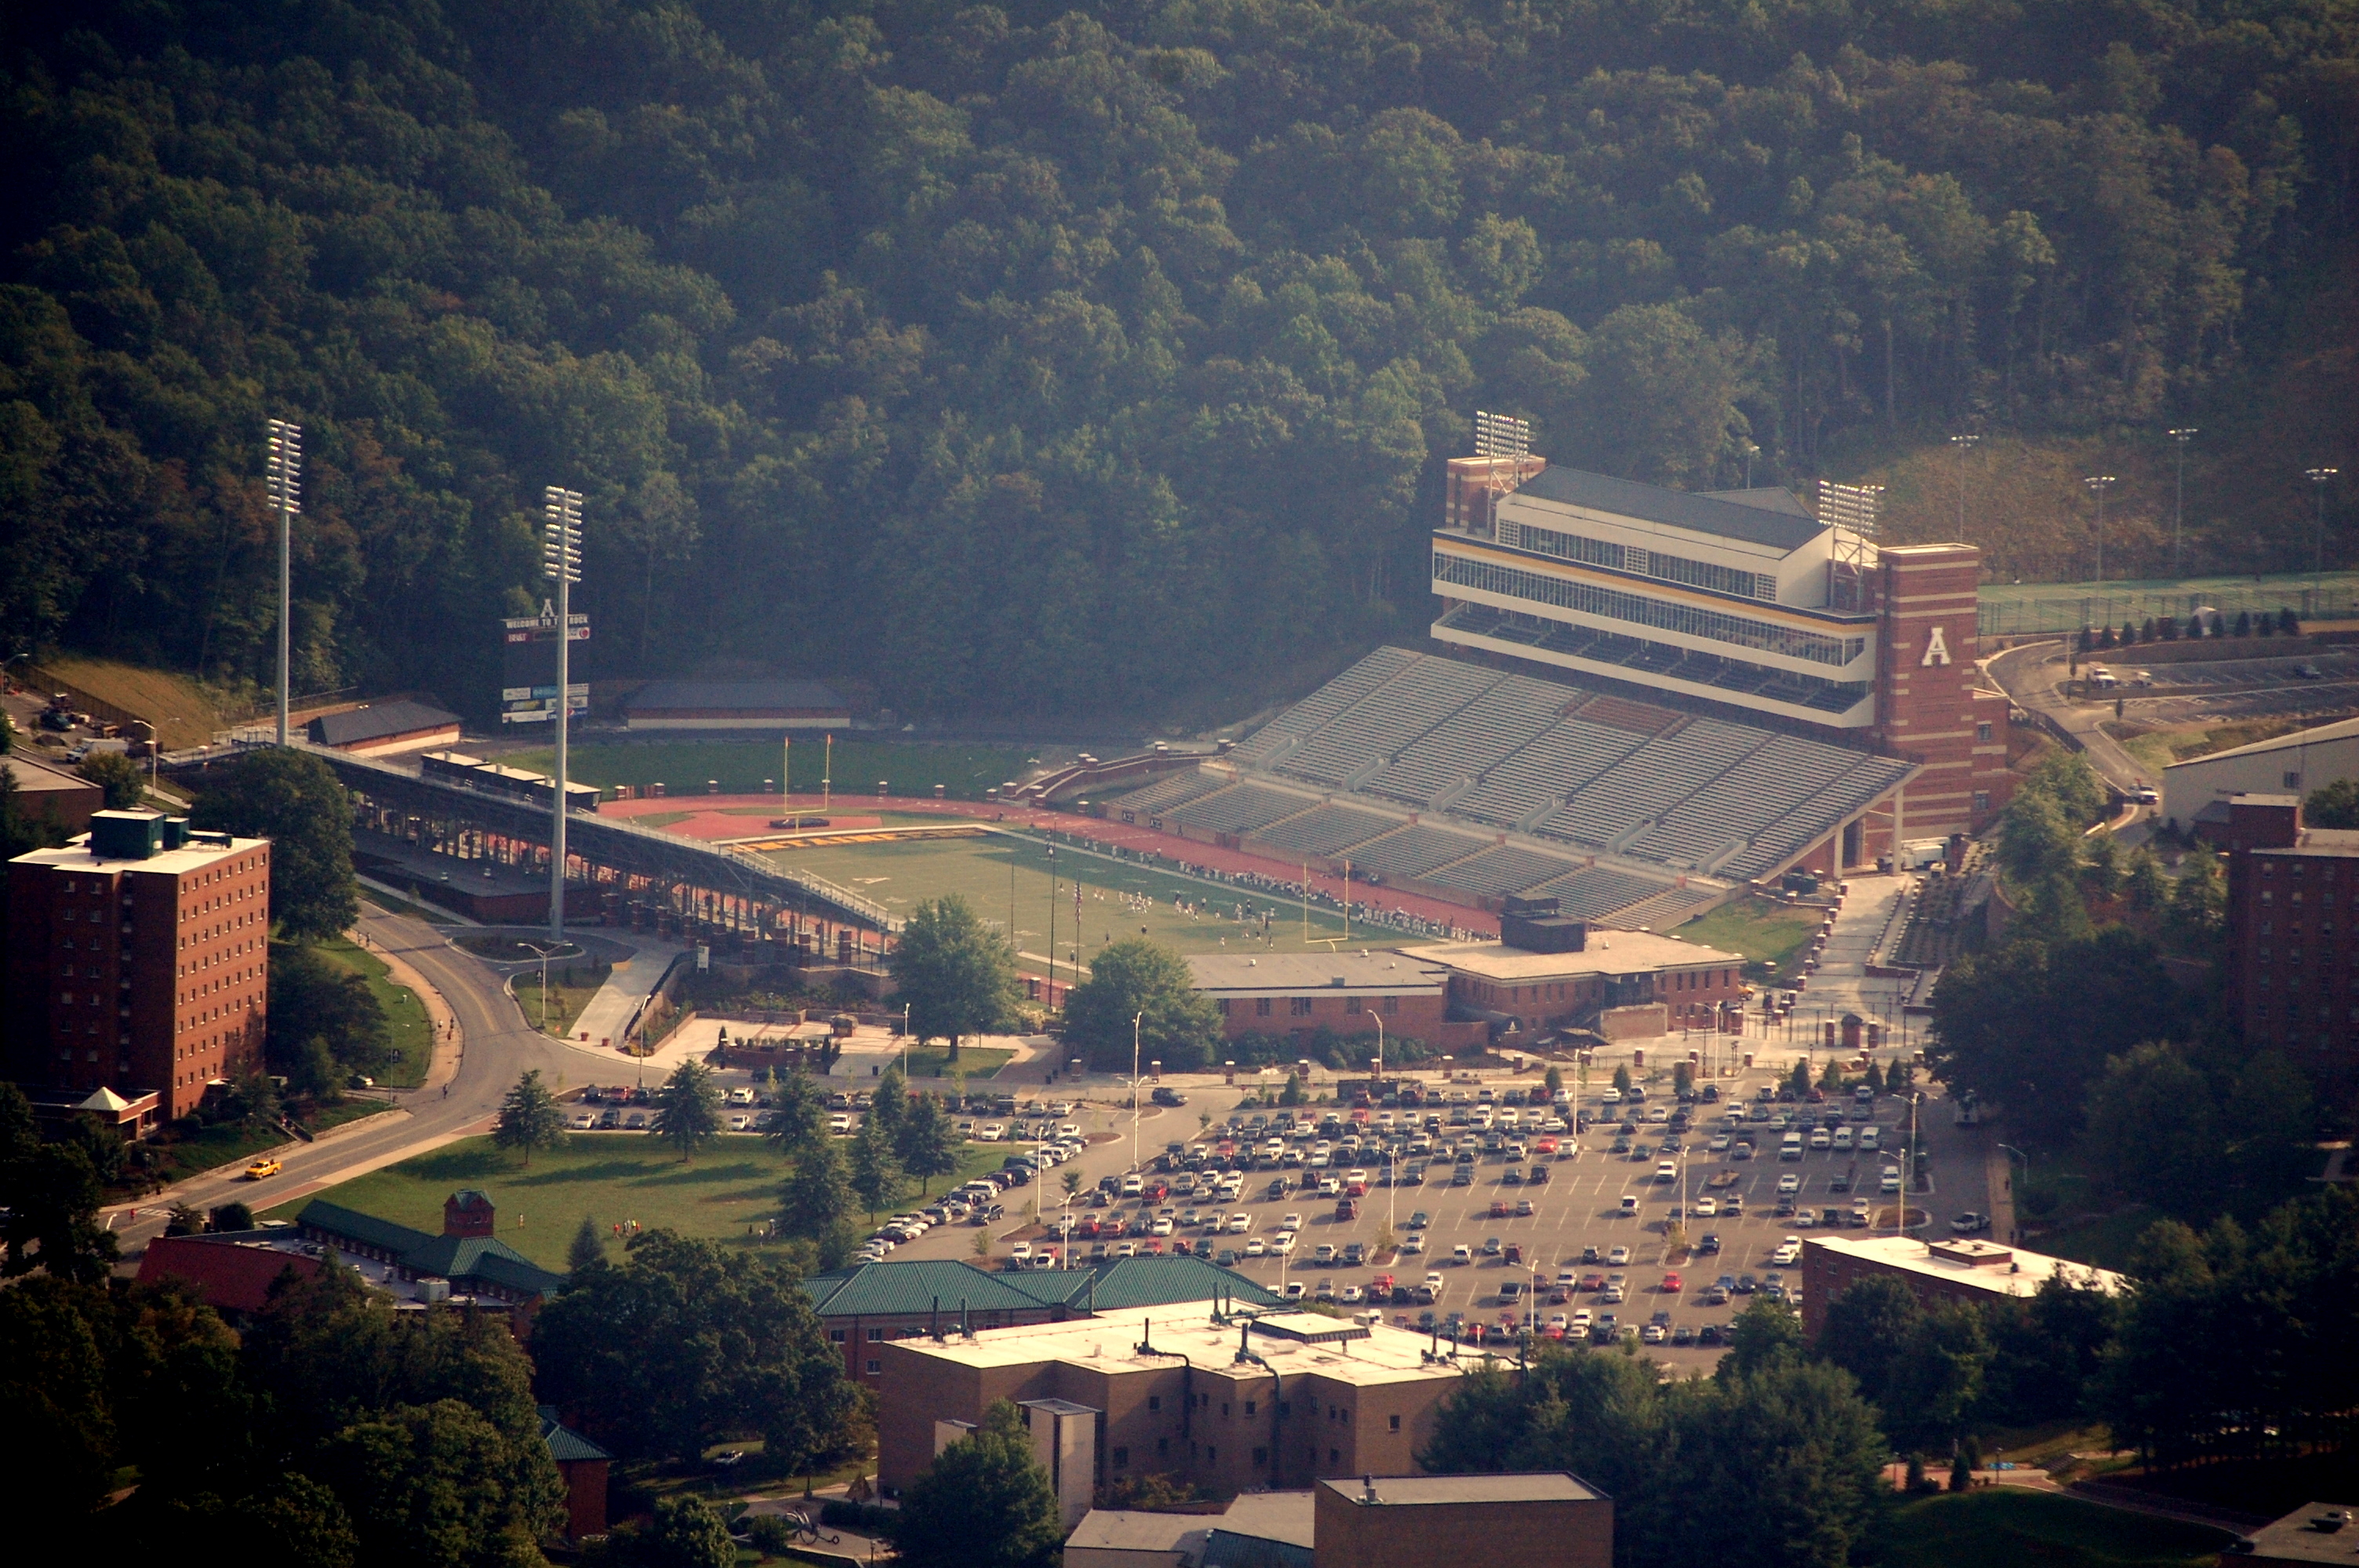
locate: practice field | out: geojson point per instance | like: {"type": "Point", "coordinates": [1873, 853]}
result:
{"type": "Point", "coordinates": [1215, 918]}
{"type": "Point", "coordinates": [683, 767]}
{"type": "Point", "coordinates": [725, 1194]}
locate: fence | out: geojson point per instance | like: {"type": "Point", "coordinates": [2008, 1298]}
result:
{"type": "Point", "coordinates": [2026, 609]}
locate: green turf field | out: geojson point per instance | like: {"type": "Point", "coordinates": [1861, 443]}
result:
{"type": "Point", "coordinates": [2005, 1524]}
{"type": "Point", "coordinates": [900, 876]}
{"type": "Point", "coordinates": [739, 767]}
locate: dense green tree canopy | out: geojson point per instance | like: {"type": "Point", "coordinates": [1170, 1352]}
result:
{"type": "Point", "coordinates": [985, 1502]}
{"type": "Point", "coordinates": [1139, 981]}
{"type": "Point", "coordinates": [293, 800]}
{"type": "Point", "coordinates": [956, 975]}
{"type": "Point", "coordinates": [1048, 342]}
{"type": "Point", "coordinates": [684, 1342]}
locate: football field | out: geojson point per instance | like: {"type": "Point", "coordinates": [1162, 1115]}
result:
{"type": "Point", "coordinates": [1004, 876]}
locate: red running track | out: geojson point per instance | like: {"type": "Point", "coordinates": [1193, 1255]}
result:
{"type": "Point", "coordinates": [709, 823]}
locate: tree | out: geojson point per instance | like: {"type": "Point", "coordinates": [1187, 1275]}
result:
{"type": "Point", "coordinates": [685, 1533]}
{"type": "Point", "coordinates": [889, 1104]}
{"type": "Point", "coordinates": [985, 1502]}
{"type": "Point", "coordinates": [118, 775]}
{"type": "Point", "coordinates": [50, 1195]}
{"type": "Point", "coordinates": [683, 1342]}
{"type": "Point", "coordinates": [314, 999]}
{"type": "Point", "coordinates": [957, 976]}
{"type": "Point", "coordinates": [2333, 805]}
{"type": "Point", "coordinates": [588, 1247]}
{"type": "Point", "coordinates": [1622, 1080]}
{"type": "Point", "coordinates": [529, 1119]}
{"type": "Point", "coordinates": [817, 1202]}
{"type": "Point", "coordinates": [439, 1483]}
{"type": "Point", "coordinates": [1798, 1079]}
{"type": "Point", "coordinates": [291, 798]}
{"type": "Point", "coordinates": [688, 1109]}
{"type": "Point", "coordinates": [1553, 1080]}
{"type": "Point", "coordinates": [1136, 977]}
{"type": "Point", "coordinates": [2152, 1125]}
{"type": "Point", "coordinates": [230, 1217]}
{"type": "Point", "coordinates": [1766, 1334]}
{"type": "Point", "coordinates": [798, 1112]}
{"type": "Point", "coordinates": [927, 1144]}
{"type": "Point", "coordinates": [875, 1171]}
{"type": "Point", "coordinates": [1867, 1328]}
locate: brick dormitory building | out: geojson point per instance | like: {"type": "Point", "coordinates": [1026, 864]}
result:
{"type": "Point", "coordinates": [138, 966]}
{"type": "Point", "coordinates": [2292, 962]}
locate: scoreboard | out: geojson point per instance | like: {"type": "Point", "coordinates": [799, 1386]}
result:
{"type": "Point", "coordinates": [528, 667]}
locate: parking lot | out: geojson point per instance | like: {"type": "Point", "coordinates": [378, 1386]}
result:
{"type": "Point", "coordinates": [1579, 1222]}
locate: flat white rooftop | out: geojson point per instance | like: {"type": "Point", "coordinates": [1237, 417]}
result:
{"type": "Point", "coordinates": [1110, 1344]}
{"type": "Point", "coordinates": [189, 857]}
{"type": "Point", "coordinates": [1359, 974]}
{"type": "Point", "coordinates": [2002, 1271]}
{"type": "Point", "coordinates": [1608, 953]}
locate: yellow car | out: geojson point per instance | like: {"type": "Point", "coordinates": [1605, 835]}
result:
{"type": "Point", "coordinates": [265, 1166]}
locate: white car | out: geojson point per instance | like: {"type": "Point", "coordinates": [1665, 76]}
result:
{"type": "Point", "coordinates": [1282, 1243]}
{"type": "Point", "coordinates": [1256, 1248]}
{"type": "Point", "coordinates": [740, 1124]}
{"type": "Point", "coordinates": [1069, 1129]}
{"type": "Point", "coordinates": [1239, 1223]}
{"type": "Point", "coordinates": [1870, 1138]}
{"type": "Point", "coordinates": [1291, 1222]}
{"type": "Point", "coordinates": [990, 1132]}
{"type": "Point", "coordinates": [1462, 1254]}
{"type": "Point", "coordinates": [584, 1121]}
{"type": "Point", "coordinates": [1788, 1184]}
{"type": "Point", "coordinates": [1295, 1291]}
{"type": "Point", "coordinates": [1891, 1182]}
{"type": "Point", "coordinates": [1618, 1259]}
{"type": "Point", "coordinates": [840, 1125]}
{"type": "Point", "coordinates": [1789, 1252]}
{"type": "Point", "coordinates": [1707, 1208]}
{"type": "Point", "coordinates": [1354, 1295]}
{"type": "Point", "coordinates": [1719, 1144]}
{"type": "Point", "coordinates": [1132, 1185]}
{"type": "Point", "coordinates": [1021, 1252]}
{"type": "Point", "coordinates": [1160, 1227]}
{"type": "Point", "coordinates": [1412, 1246]}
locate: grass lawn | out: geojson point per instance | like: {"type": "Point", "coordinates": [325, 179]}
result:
{"type": "Point", "coordinates": [1770, 934]}
{"type": "Point", "coordinates": [405, 1015]}
{"type": "Point", "coordinates": [740, 767]}
{"type": "Point", "coordinates": [2005, 1524]}
{"type": "Point", "coordinates": [900, 876]}
{"type": "Point", "coordinates": [565, 1001]}
{"type": "Point", "coordinates": [974, 1061]}
{"type": "Point", "coordinates": [2105, 1243]}
{"type": "Point", "coordinates": [610, 1176]}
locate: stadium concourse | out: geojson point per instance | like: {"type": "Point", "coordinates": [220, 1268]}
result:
{"type": "Point", "coordinates": [1443, 777]}
{"type": "Point", "coordinates": [709, 821]}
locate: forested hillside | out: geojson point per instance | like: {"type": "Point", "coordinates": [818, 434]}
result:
{"type": "Point", "coordinates": [1036, 357]}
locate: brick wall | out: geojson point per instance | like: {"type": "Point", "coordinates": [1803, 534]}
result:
{"type": "Point", "coordinates": [1421, 1015]}
{"type": "Point", "coordinates": [1927, 708]}
{"type": "Point", "coordinates": [1563, 1533]}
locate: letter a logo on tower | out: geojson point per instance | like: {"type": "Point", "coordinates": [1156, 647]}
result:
{"type": "Point", "coordinates": [1937, 650]}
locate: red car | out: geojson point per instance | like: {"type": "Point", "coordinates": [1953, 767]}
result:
{"type": "Point", "coordinates": [1672, 1285]}
{"type": "Point", "coordinates": [1498, 1208]}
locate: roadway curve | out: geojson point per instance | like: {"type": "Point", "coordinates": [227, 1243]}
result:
{"type": "Point", "coordinates": [2032, 684]}
{"type": "Point", "coordinates": [495, 1044]}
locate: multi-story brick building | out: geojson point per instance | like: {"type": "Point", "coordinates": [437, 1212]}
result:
{"type": "Point", "coordinates": [2293, 893]}
{"type": "Point", "coordinates": [1952, 1271]}
{"type": "Point", "coordinates": [1610, 969]}
{"type": "Point", "coordinates": [138, 960]}
{"type": "Point", "coordinates": [1230, 1402]}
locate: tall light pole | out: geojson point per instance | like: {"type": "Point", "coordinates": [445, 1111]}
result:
{"type": "Point", "coordinates": [544, 953]}
{"type": "Point", "coordinates": [2179, 499]}
{"type": "Point", "coordinates": [2320, 479]}
{"type": "Point", "coordinates": [1136, 1020]}
{"type": "Point", "coordinates": [283, 470]}
{"type": "Point", "coordinates": [561, 558]}
{"type": "Point", "coordinates": [2098, 484]}
{"type": "Point", "coordinates": [1962, 445]}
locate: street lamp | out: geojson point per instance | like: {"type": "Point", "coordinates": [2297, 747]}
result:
{"type": "Point", "coordinates": [2320, 479]}
{"type": "Point", "coordinates": [2179, 503]}
{"type": "Point", "coordinates": [2098, 484]}
{"type": "Point", "coordinates": [1136, 1020]}
{"type": "Point", "coordinates": [1962, 445]}
{"type": "Point", "coordinates": [544, 953]}
{"type": "Point", "coordinates": [560, 560]}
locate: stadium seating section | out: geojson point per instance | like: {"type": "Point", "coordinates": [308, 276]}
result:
{"type": "Point", "coordinates": [1476, 751]}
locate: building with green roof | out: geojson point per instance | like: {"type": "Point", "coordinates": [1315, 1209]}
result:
{"type": "Point", "coordinates": [475, 1262]}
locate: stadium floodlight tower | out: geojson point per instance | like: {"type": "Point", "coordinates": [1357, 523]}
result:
{"type": "Point", "coordinates": [2320, 479]}
{"type": "Point", "coordinates": [283, 472]}
{"type": "Point", "coordinates": [2098, 484]}
{"type": "Point", "coordinates": [2180, 437]}
{"type": "Point", "coordinates": [560, 560]}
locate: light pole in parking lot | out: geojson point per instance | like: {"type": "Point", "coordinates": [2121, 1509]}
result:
{"type": "Point", "coordinates": [1136, 1020]}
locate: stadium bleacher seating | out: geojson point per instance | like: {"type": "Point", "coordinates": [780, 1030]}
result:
{"type": "Point", "coordinates": [1176, 790]}
{"type": "Point", "coordinates": [1462, 743]}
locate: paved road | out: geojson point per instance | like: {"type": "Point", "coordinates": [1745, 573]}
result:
{"type": "Point", "coordinates": [2030, 676]}
{"type": "Point", "coordinates": [497, 1046]}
